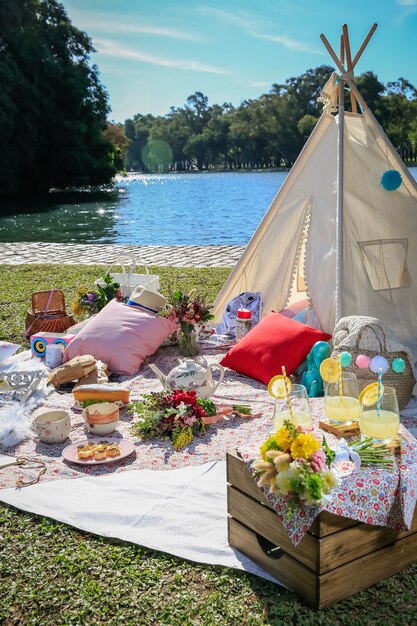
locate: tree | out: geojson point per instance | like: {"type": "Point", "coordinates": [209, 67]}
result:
{"type": "Point", "coordinates": [115, 134]}
{"type": "Point", "coordinates": [53, 107]}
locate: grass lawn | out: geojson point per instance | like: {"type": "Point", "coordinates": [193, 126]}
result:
{"type": "Point", "coordinates": [52, 574]}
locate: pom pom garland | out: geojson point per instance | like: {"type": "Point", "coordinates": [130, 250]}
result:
{"type": "Point", "coordinates": [391, 180]}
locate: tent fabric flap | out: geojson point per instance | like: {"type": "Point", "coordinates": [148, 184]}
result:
{"type": "Point", "coordinates": [269, 261]}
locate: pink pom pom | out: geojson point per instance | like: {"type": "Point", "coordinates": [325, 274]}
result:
{"type": "Point", "coordinates": [362, 361]}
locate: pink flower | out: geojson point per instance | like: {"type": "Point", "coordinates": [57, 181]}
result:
{"type": "Point", "coordinates": [189, 420]}
{"type": "Point", "coordinates": [304, 429]}
{"type": "Point", "coordinates": [318, 461]}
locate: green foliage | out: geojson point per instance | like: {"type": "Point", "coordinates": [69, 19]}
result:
{"type": "Point", "coordinates": [53, 107]}
{"type": "Point", "coordinates": [109, 290]}
{"type": "Point", "coordinates": [267, 132]}
{"type": "Point", "coordinates": [208, 406]}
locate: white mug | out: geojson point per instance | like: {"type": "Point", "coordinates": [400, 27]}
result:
{"type": "Point", "coordinates": [53, 426]}
{"type": "Point", "coordinates": [53, 355]}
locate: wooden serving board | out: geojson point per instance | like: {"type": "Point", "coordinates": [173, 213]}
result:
{"type": "Point", "coordinates": [353, 431]}
{"type": "Point", "coordinates": [340, 430]}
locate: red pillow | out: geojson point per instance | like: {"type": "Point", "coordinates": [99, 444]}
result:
{"type": "Point", "coordinates": [276, 341]}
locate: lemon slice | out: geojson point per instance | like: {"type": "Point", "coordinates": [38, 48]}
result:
{"type": "Point", "coordinates": [329, 370]}
{"type": "Point", "coordinates": [276, 386]}
{"type": "Point", "coordinates": [369, 394]}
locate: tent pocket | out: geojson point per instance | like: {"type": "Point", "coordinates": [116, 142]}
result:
{"type": "Point", "coordinates": [385, 261]}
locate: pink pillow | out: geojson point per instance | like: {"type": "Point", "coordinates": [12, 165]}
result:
{"type": "Point", "coordinates": [122, 336]}
{"type": "Point", "coordinates": [293, 309]}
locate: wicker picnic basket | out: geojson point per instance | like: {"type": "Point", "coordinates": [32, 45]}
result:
{"type": "Point", "coordinates": [48, 314]}
{"type": "Point", "coordinates": [371, 340]}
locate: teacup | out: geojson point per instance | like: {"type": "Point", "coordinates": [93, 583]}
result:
{"type": "Point", "coordinates": [53, 426]}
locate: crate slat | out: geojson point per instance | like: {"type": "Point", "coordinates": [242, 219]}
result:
{"type": "Point", "coordinates": [265, 522]}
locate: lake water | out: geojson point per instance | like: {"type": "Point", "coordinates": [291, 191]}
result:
{"type": "Point", "coordinates": [164, 209]}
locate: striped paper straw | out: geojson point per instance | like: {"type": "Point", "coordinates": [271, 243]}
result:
{"type": "Point", "coordinates": [339, 371]}
{"type": "Point", "coordinates": [378, 401]}
{"type": "Point", "coordinates": [287, 394]}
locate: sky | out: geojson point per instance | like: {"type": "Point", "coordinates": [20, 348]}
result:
{"type": "Point", "coordinates": [152, 55]}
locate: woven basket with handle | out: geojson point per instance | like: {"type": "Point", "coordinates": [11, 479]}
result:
{"type": "Point", "coordinates": [48, 314]}
{"type": "Point", "coordinates": [402, 383]}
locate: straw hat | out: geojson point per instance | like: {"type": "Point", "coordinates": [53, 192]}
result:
{"type": "Point", "coordinates": [146, 300]}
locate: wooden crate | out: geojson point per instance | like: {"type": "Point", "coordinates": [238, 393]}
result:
{"type": "Point", "coordinates": [337, 557]}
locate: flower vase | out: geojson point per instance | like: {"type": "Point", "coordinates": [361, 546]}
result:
{"type": "Point", "coordinates": [188, 341]}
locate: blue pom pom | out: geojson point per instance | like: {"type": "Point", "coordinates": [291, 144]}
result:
{"type": "Point", "coordinates": [345, 359]}
{"type": "Point", "coordinates": [398, 365]}
{"type": "Point", "coordinates": [391, 180]}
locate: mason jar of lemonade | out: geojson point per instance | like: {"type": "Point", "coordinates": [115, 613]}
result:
{"type": "Point", "coordinates": [341, 404]}
{"type": "Point", "coordinates": [380, 423]}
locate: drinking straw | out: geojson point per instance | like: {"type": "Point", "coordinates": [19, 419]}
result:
{"type": "Point", "coordinates": [339, 371]}
{"type": "Point", "coordinates": [287, 394]}
{"type": "Point", "coordinates": [378, 401]}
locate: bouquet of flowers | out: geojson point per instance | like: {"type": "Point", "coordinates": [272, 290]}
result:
{"type": "Point", "coordinates": [295, 465]}
{"type": "Point", "coordinates": [178, 414]}
{"type": "Point", "coordinates": [187, 310]}
{"type": "Point", "coordinates": [89, 301]}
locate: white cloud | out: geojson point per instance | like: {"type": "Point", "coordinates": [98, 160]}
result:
{"type": "Point", "coordinates": [287, 42]}
{"type": "Point", "coordinates": [249, 23]}
{"type": "Point", "coordinates": [259, 83]}
{"type": "Point", "coordinates": [110, 48]}
{"type": "Point", "coordinates": [241, 19]}
{"type": "Point", "coordinates": [407, 3]}
{"type": "Point", "coordinates": [106, 23]}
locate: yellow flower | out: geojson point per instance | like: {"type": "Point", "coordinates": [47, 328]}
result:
{"type": "Point", "coordinates": [283, 438]}
{"type": "Point", "coordinates": [304, 446]}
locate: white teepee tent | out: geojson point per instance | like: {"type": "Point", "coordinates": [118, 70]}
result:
{"type": "Point", "coordinates": [333, 232]}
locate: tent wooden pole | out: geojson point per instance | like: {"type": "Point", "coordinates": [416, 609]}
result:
{"type": "Point", "coordinates": [358, 96]}
{"type": "Point", "coordinates": [349, 65]}
{"type": "Point", "coordinates": [364, 44]}
{"type": "Point", "coordinates": [342, 50]}
{"type": "Point", "coordinates": [332, 54]}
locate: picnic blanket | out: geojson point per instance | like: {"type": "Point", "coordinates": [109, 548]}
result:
{"type": "Point", "coordinates": [174, 501]}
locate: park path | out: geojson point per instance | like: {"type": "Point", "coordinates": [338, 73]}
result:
{"type": "Point", "coordinates": [17, 253]}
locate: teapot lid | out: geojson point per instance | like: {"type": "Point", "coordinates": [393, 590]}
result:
{"type": "Point", "coordinates": [190, 364]}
